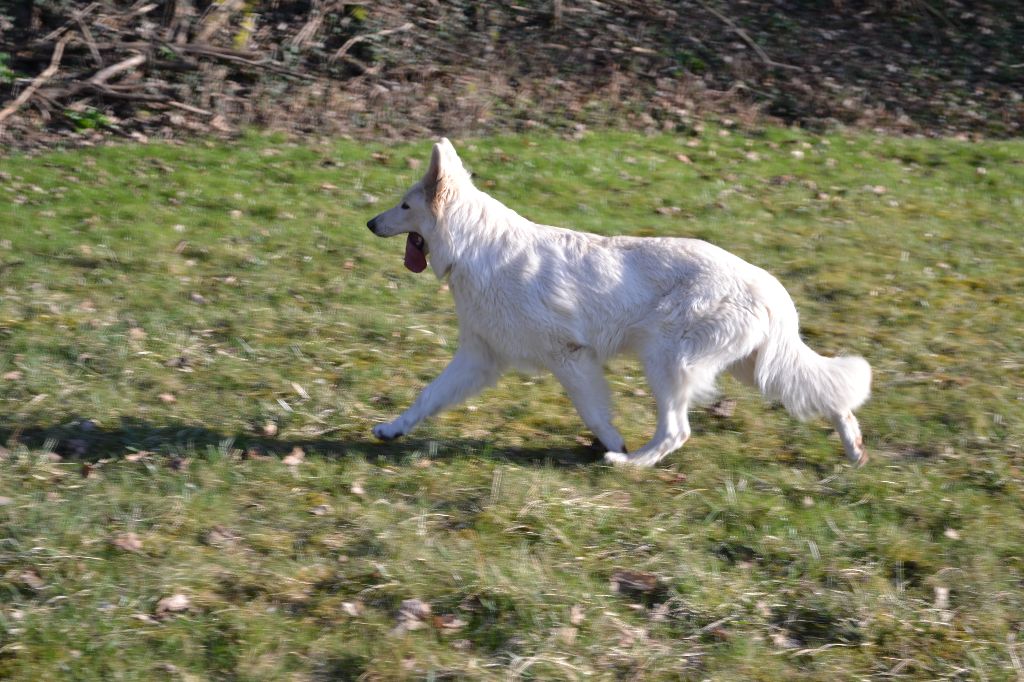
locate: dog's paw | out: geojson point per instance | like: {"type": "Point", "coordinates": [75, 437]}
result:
{"type": "Point", "coordinates": [387, 431]}
{"type": "Point", "coordinates": [616, 458]}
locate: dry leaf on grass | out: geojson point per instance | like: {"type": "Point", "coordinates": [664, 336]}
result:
{"type": "Point", "coordinates": [219, 536]}
{"type": "Point", "coordinates": [129, 542]}
{"type": "Point", "coordinates": [321, 510]}
{"type": "Point", "coordinates": [412, 615]}
{"type": "Point", "coordinates": [176, 603]}
{"type": "Point", "coordinates": [295, 458]}
{"type": "Point", "coordinates": [357, 488]}
{"type": "Point", "coordinates": [177, 463]}
{"type": "Point", "coordinates": [566, 635]}
{"type": "Point", "coordinates": [448, 623]}
{"type": "Point", "coordinates": [723, 408]}
{"type": "Point", "coordinates": [635, 582]}
{"type": "Point", "coordinates": [31, 579]}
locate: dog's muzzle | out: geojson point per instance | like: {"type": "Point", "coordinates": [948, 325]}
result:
{"type": "Point", "coordinates": [372, 224]}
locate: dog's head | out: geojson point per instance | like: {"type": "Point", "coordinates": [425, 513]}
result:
{"type": "Point", "coordinates": [418, 213]}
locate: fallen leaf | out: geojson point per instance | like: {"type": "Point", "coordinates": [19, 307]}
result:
{"type": "Point", "coordinates": [128, 542]}
{"type": "Point", "coordinates": [321, 510]}
{"type": "Point", "coordinates": [352, 608]}
{"type": "Point", "coordinates": [671, 476]}
{"type": "Point", "coordinates": [219, 536]}
{"type": "Point", "coordinates": [412, 615]}
{"type": "Point", "coordinates": [576, 614]}
{"type": "Point", "coordinates": [723, 408]}
{"type": "Point", "coordinates": [626, 581]}
{"type": "Point", "coordinates": [175, 603]}
{"type": "Point", "coordinates": [357, 488]}
{"type": "Point", "coordinates": [295, 458]}
{"type": "Point", "coordinates": [566, 635]}
{"type": "Point", "coordinates": [783, 641]}
{"type": "Point", "coordinates": [270, 429]}
{"type": "Point", "coordinates": [300, 390]}
{"type": "Point", "coordinates": [178, 463]}
{"type": "Point", "coordinates": [167, 398]}
{"type": "Point", "coordinates": [13, 375]}
{"type": "Point", "coordinates": [448, 623]}
{"type": "Point", "coordinates": [668, 210]}
{"type": "Point", "coordinates": [952, 534]}
{"type": "Point", "coordinates": [136, 456]}
{"type": "Point", "coordinates": [683, 158]}
{"type": "Point", "coordinates": [31, 579]}
{"type": "Point", "coordinates": [137, 333]}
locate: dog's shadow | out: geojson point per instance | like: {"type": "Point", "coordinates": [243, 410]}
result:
{"type": "Point", "coordinates": [86, 441]}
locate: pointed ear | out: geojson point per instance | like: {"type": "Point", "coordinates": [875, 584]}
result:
{"type": "Point", "coordinates": [433, 174]}
{"type": "Point", "coordinates": [451, 156]}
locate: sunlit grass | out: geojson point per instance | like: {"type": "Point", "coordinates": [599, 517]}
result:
{"type": "Point", "coordinates": [179, 318]}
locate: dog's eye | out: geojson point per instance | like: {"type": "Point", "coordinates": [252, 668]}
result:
{"type": "Point", "coordinates": [405, 206]}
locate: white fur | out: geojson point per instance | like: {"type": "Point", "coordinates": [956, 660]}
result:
{"type": "Point", "coordinates": [534, 297]}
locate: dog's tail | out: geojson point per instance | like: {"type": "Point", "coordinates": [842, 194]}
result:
{"type": "Point", "coordinates": [806, 383]}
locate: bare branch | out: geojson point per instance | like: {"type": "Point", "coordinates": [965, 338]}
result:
{"type": "Point", "coordinates": [47, 74]}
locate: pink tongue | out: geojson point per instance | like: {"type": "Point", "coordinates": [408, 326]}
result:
{"type": "Point", "coordinates": [415, 259]}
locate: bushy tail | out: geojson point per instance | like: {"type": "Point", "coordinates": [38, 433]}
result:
{"type": "Point", "coordinates": [808, 384]}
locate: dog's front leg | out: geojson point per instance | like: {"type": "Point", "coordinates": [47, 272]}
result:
{"type": "Point", "coordinates": [471, 370]}
{"type": "Point", "coordinates": [582, 376]}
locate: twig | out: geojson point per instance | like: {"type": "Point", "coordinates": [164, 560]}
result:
{"type": "Point", "coordinates": [366, 36]}
{"type": "Point", "coordinates": [188, 107]}
{"type": "Point", "coordinates": [216, 19]}
{"type": "Point", "coordinates": [83, 28]}
{"type": "Point", "coordinates": [47, 74]}
{"type": "Point", "coordinates": [78, 17]}
{"type": "Point", "coordinates": [238, 57]}
{"type": "Point", "coordinates": [106, 74]}
{"type": "Point", "coordinates": [747, 39]}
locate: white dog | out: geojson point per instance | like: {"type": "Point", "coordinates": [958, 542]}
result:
{"type": "Point", "coordinates": [535, 297]}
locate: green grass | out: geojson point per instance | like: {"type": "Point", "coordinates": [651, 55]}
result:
{"type": "Point", "coordinates": [241, 280]}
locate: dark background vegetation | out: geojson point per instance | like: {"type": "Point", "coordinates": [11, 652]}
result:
{"type": "Point", "coordinates": [423, 67]}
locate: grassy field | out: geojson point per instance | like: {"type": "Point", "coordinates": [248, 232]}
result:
{"type": "Point", "coordinates": [196, 340]}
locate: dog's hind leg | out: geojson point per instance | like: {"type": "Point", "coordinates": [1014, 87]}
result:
{"type": "Point", "coordinates": [583, 379]}
{"type": "Point", "coordinates": [849, 432]}
{"type": "Point", "coordinates": [672, 386]}
{"type": "Point", "coordinates": [471, 370]}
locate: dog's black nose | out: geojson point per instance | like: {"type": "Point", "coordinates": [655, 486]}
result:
{"type": "Point", "coordinates": [372, 224]}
